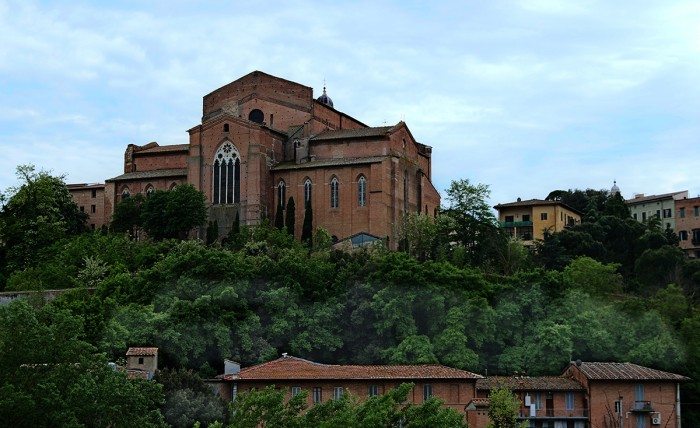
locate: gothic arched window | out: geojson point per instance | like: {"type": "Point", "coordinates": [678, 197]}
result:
{"type": "Point", "coordinates": [149, 190]}
{"type": "Point", "coordinates": [334, 193]}
{"type": "Point", "coordinates": [226, 175]}
{"type": "Point", "coordinates": [419, 189]}
{"type": "Point", "coordinates": [362, 191]}
{"type": "Point", "coordinates": [405, 190]}
{"type": "Point", "coordinates": [281, 193]}
{"type": "Point", "coordinates": [126, 193]}
{"type": "Point", "coordinates": [307, 190]}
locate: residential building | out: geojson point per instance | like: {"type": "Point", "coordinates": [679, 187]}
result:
{"type": "Point", "coordinates": [263, 139]}
{"type": "Point", "coordinates": [545, 401]}
{"type": "Point", "coordinates": [529, 220]}
{"type": "Point", "coordinates": [628, 395]}
{"type": "Point", "coordinates": [141, 362]}
{"type": "Point", "coordinates": [688, 225]}
{"type": "Point", "coordinates": [324, 382]}
{"type": "Point", "coordinates": [643, 208]}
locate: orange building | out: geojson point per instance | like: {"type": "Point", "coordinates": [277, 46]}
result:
{"type": "Point", "coordinates": [688, 225]}
{"type": "Point", "coordinates": [529, 220]}
{"type": "Point", "coordinates": [264, 139]}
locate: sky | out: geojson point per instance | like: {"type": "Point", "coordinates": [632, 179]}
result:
{"type": "Point", "coordinates": [526, 96]}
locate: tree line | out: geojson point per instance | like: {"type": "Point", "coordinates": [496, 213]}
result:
{"type": "Point", "coordinates": [459, 293]}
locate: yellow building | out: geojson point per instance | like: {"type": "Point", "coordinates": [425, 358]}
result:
{"type": "Point", "coordinates": [529, 220]}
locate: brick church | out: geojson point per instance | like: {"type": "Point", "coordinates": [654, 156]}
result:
{"type": "Point", "coordinates": [264, 139]}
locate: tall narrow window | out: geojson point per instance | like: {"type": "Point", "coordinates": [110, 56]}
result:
{"type": "Point", "coordinates": [427, 391]}
{"type": "Point", "coordinates": [296, 390]}
{"type": "Point", "coordinates": [126, 193]}
{"type": "Point", "coordinates": [226, 175]}
{"type": "Point", "coordinates": [405, 191]}
{"type": "Point", "coordinates": [338, 392]}
{"type": "Point", "coordinates": [639, 392]}
{"type": "Point", "coordinates": [94, 193]}
{"type": "Point", "coordinates": [419, 190]}
{"type": "Point", "coordinates": [149, 190]}
{"type": "Point", "coordinates": [225, 127]}
{"type": "Point", "coordinates": [373, 390]}
{"type": "Point", "coordinates": [307, 190]}
{"type": "Point", "coordinates": [362, 191]}
{"type": "Point", "coordinates": [281, 193]}
{"type": "Point", "coordinates": [317, 395]}
{"type": "Point", "coordinates": [334, 192]}
{"type": "Point", "coordinates": [569, 401]}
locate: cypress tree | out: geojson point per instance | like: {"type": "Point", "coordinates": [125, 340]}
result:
{"type": "Point", "coordinates": [291, 216]}
{"type": "Point", "coordinates": [279, 217]}
{"type": "Point", "coordinates": [236, 229]}
{"type": "Point", "coordinates": [212, 232]}
{"type": "Point", "coordinates": [307, 228]}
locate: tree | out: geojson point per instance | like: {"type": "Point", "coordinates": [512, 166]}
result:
{"type": "Point", "coordinates": [593, 277]}
{"type": "Point", "coordinates": [279, 217]}
{"type": "Point", "coordinates": [35, 215]}
{"type": "Point", "coordinates": [290, 216]}
{"type": "Point", "coordinates": [476, 227]}
{"type": "Point", "coordinates": [307, 228]}
{"type": "Point", "coordinates": [212, 232]}
{"type": "Point", "coordinates": [52, 377]}
{"type": "Point", "coordinates": [173, 213]}
{"type": "Point", "coordinates": [188, 399]}
{"type": "Point", "coordinates": [504, 408]}
{"type": "Point", "coordinates": [127, 215]}
{"type": "Point", "coordinates": [418, 233]}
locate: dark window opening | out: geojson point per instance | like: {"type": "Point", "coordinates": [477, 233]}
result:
{"type": "Point", "coordinates": [510, 219]}
{"type": "Point", "coordinates": [256, 115]}
{"type": "Point", "coordinates": [225, 127]}
{"type": "Point", "coordinates": [82, 209]}
{"type": "Point", "coordinates": [94, 193]}
{"type": "Point", "coordinates": [526, 217]}
{"type": "Point", "coordinates": [93, 208]}
{"type": "Point", "coordinates": [543, 216]}
{"type": "Point", "coordinates": [140, 360]}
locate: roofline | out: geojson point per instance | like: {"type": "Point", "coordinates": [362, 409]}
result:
{"type": "Point", "coordinates": [258, 72]}
{"type": "Point", "coordinates": [539, 202]}
{"type": "Point", "coordinates": [317, 102]}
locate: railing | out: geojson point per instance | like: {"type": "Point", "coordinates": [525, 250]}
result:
{"type": "Point", "coordinates": [515, 223]}
{"type": "Point", "coordinates": [642, 406]}
{"type": "Point", "coordinates": [557, 413]}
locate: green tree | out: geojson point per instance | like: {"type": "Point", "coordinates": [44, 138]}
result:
{"type": "Point", "coordinates": [212, 232]}
{"type": "Point", "coordinates": [127, 215]}
{"type": "Point", "coordinates": [173, 213]}
{"type": "Point", "coordinates": [52, 377]}
{"type": "Point", "coordinates": [504, 408]}
{"type": "Point", "coordinates": [592, 276]}
{"type": "Point", "coordinates": [307, 227]}
{"type": "Point", "coordinates": [35, 215]}
{"type": "Point", "coordinates": [188, 399]}
{"type": "Point", "coordinates": [290, 219]}
{"type": "Point", "coordinates": [279, 217]}
{"type": "Point", "coordinates": [476, 228]}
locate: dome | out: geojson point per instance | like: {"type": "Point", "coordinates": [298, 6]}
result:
{"type": "Point", "coordinates": [325, 99]}
{"type": "Point", "coordinates": [614, 190]}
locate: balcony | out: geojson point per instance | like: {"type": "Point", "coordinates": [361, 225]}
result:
{"type": "Point", "coordinates": [515, 223]}
{"type": "Point", "coordinates": [556, 413]}
{"type": "Point", "coordinates": [642, 407]}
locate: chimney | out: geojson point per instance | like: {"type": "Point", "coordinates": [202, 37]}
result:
{"type": "Point", "coordinates": [231, 367]}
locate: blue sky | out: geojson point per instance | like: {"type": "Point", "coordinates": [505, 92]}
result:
{"type": "Point", "coordinates": [525, 96]}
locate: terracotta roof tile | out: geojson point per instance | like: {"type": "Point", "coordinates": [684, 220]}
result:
{"type": "Point", "coordinates": [164, 149]}
{"type": "Point", "coordinates": [476, 402]}
{"type": "Point", "coordinates": [327, 162]}
{"type": "Point", "coordinates": [624, 371]}
{"type": "Point", "coordinates": [341, 134]}
{"type": "Point", "coordinates": [651, 198]}
{"type": "Point", "coordinates": [288, 367]}
{"type": "Point", "coordinates": [157, 173]}
{"type": "Point", "coordinates": [138, 352]}
{"type": "Point", "coordinates": [528, 383]}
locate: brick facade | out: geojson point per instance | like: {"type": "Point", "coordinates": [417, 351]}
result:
{"type": "Point", "coordinates": [279, 132]}
{"type": "Point", "coordinates": [688, 225]}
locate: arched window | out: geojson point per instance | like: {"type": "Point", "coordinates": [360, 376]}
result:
{"type": "Point", "coordinates": [256, 115]}
{"type": "Point", "coordinates": [226, 175]}
{"type": "Point", "coordinates": [405, 190]}
{"type": "Point", "coordinates": [173, 185]}
{"type": "Point", "coordinates": [419, 190]}
{"type": "Point", "coordinates": [334, 193]}
{"type": "Point", "coordinates": [307, 190]}
{"type": "Point", "coordinates": [149, 190]}
{"type": "Point", "coordinates": [125, 193]}
{"type": "Point", "coordinates": [362, 191]}
{"type": "Point", "coordinates": [281, 193]}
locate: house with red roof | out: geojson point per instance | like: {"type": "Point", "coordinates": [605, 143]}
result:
{"type": "Point", "coordinates": [324, 382]}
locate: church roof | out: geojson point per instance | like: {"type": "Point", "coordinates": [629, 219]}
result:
{"type": "Point", "coordinates": [157, 173]}
{"type": "Point", "coordinates": [342, 134]}
{"type": "Point", "coordinates": [286, 166]}
{"type": "Point", "coordinates": [165, 149]}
